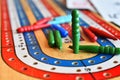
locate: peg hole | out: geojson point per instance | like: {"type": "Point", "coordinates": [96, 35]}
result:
{"type": "Point", "coordinates": [75, 63]}
{"type": "Point", "coordinates": [29, 36]}
{"type": "Point", "coordinates": [103, 41]}
{"type": "Point", "coordinates": [43, 59]}
{"type": "Point", "coordinates": [32, 42]}
{"type": "Point", "coordinates": [78, 70]}
{"type": "Point", "coordinates": [21, 40]}
{"type": "Point", "coordinates": [7, 39]}
{"type": "Point", "coordinates": [8, 44]}
{"type": "Point", "coordinates": [53, 68]}
{"type": "Point", "coordinates": [57, 62]}
{"type": "Point", "coordinates": [115, 62]}
{"type": "Point", "coordinates": [11, 59]}
{"type": "Point", "coordinates": [103, 57]}
{"type": "Point", "coordinates": [21, 43]}
{"type": "Point", "coordinates": [79, 78]}
{"type": "Point", "coordinates": [24, 68]}
{"type": "Point", "coordinates": [106, 74]}
{"type": "Point", "coordinates": [36, 53]}
{"type": "Point", "coordinates": [9, 50]}
{"type": "Point", "coordinates": [22, 48]}
{"type": "Point", "coordinates": [91, 61]}
{"type": "Point", "coordinates": [20, 37]}
{"type": "Point", "coordinates": [25, 56]}
{"type": "Point", "coordinates": [67, 40]}
{"type": "Point", "coordinates": [34, 47]}
{"type": "Point", "coordinates": [35, 63]}
{"type": "Point", "coordinates": [46, 75]}
{"type": "Point", "coordinates": [108, 46]}
{"type": "Point", "coordinates": [99, 67]}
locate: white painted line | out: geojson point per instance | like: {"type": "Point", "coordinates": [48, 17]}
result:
{"type": "Point", "coordinates": [18, 38]}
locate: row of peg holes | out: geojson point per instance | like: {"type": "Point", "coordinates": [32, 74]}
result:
{"type": "Point", "coordinates": [21, 40]}
{"type": "Point", "coordinates": [7, 38]}
{"type": "Point", "coordinates": [93, 61]}
{"type": "Point", "coordinates": [31, 39]}
{"type": "Point", "coordinates": [48, 76]}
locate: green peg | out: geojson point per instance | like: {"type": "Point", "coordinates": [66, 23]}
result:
{"type": "Point", "coordinates": [75, 31]}
{"type": "Point", "coordinates": [117, 51]}
{"type": "Point", "coordinates": [51, 40]}
{"type": "Point", "coordinates": [89, 48]}
{"type": "Point", "coordinates": [99, 49]}
{"type": "Point", "coordinates": [58, 39]}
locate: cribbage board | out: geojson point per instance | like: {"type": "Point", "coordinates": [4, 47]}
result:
{"type": "Point", "coordinates": [27, 56]}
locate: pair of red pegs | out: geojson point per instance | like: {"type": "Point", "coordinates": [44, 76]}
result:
{"type": "Point", "coordinates": [91, 32]}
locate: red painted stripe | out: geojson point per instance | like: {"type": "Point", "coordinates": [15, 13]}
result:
{"type": "Point", "coordinates": [5, 17]}
{"type": "Point", "coordinates": [7, 40]}
{"type": "Point", "coordinates": [50, 8]}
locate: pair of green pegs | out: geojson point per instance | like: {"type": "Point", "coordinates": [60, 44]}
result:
{"type": "Point", "coordinates": [99, 49]}
{"type": "Point", "coordinates": [55, 39]}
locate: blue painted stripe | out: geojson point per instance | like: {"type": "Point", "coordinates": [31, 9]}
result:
{"type": "Point", "coordinates": [24, 22]}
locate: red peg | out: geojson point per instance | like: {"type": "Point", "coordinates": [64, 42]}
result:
{"type": "Point", "coordinates": [32, 28]}
{"type": "Point", "coordinates": [102, 33]}
{"type": "Point", "coordinates": [43, 21]}
{"type": "Point", "coordinates": [89, 34]}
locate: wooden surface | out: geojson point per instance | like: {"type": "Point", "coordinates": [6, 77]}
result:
{"type": "Point", "coordinates": [7, 73]}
